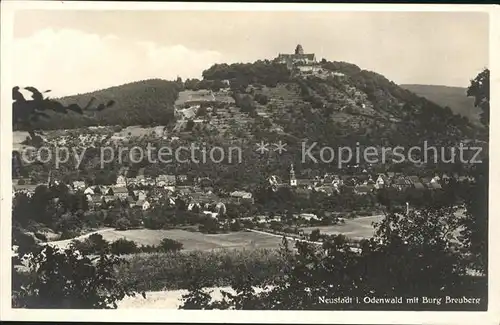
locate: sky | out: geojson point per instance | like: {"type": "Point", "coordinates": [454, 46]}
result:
{"type": "Point", "coordinates": [79, 51]}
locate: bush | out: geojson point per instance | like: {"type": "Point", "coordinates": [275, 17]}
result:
{"type": "Point", "coordinates": [51, 281]}
{"type": "Point", "coordinates": [169, 245]}
{"type": "Point", "coordinates": [123, 246]}
{"type": "Point", "coordinates": [122, 224]}
{"type": "Point", "coordinates": [94, 244]}
{"type": "Point", "coordinates": [235, 226]}
{"type": "Point", "coordinates": [261, 99]}
{"type": "Point", "coordinates": [315, 235]}
{"type": "Point", "coordinates": [68, 234]}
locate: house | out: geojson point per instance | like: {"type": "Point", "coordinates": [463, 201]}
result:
{"type": "Point", "coordinates": [193, 205]}
{"type": "Point", "coordinates": [414, 179]}
{"type": "Point", "coordinates": [78, 185]}
{"type": "Point", "coordinates": [436, 179]}
{"type": "Point", "coordinates": [120, 192]}
{"type": "Point", "coordinates": [401, 183]}
{"type": "Point", "coordinates": [108, 198]}
{"type": "Point", "coordinates": [210, 214]}
{"type": "Point", "coordinates": [89, 191]}
{"type": "Point", "coordinates": [241, 196]}
{"type": "Point", "coordinates": [171, 180]}
{"type": "Point", "coordinates": [143, 204]}
{"type": "Point", "coordinates": [328, 190]}
{"type": "Point", "coordinates": [307, 183]}
{"type": "Point", "coordinates": [95, 199]}
{"type": "Point", "coordinates": [165, 180]}
{"type": "Point", "coordinates": [27, 189]}
{"type": "Point", "coordinates": [446, 179]}
{"type": "Point", "coordinates": [419, 186]}
{"type": "Point", "coordinates": [434, 186]}
{"type": "Point", "coordinates": [121, 181]}
{"type": "Point", "coordinates": [337, 181]}
{"type": "Point", "coordinates": [140, 194]}
{"type": "Point", "coordinates": [123, 171]}
{"type": "Point", "coordinates": [363, 189]}
{"type": "Point", "coordinates": [426, 180]}
{"type": "Point", "coordinates": [308, 216]}
{"type": "Point", "coordinates": [203, 198]}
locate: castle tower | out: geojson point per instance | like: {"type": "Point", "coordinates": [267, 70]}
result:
{"type": "Point", "coordinates": [293, 180]}
{"type": "Point", "coordinates": [299, 50]}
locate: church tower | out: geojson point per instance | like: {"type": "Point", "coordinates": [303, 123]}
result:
{"type": "Point", "coordinates": [293, 180]}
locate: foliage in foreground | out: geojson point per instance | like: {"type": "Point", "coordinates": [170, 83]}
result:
{"type": "Point", "coordinates": [67, 279]}
{"type": "Point", "coordinates": [410, 256]}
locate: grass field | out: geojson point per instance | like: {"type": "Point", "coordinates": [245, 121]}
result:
{"type": "Point", "coordinates": [355, 228]}
{"type": "Point", "coordinates": [358, 228]}
{"type": "Point", "coordinates": [191, 240]}
{"type": "Point", "coordinates": [196, 240]}
{"type": "Point", "coordinates": [138, 131]}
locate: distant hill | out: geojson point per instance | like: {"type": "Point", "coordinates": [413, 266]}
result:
{"type": "Point", "coordinates": [453, 97]}
{"type": "Point", "coordinates": [146, 102]}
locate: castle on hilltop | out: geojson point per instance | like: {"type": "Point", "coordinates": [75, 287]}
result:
{"type": "Point", "coordinates": [299, 60]}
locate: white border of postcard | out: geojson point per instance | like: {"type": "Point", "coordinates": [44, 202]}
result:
{"type": "Point", "coordinates": [140, 315]}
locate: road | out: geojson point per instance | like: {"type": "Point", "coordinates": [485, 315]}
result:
{"type": "Point", "coordinates": [65, 242]}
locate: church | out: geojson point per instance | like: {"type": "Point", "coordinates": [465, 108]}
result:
{"type": "Point", "coordinates": [299, 60]}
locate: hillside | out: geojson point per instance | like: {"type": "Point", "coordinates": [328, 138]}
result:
{"type": "Point", "coordinates": [340, 105]}
{"type": "Point", "coordinates": [146, 102]}
{"type": "Point", "coordinates": [453, 97]}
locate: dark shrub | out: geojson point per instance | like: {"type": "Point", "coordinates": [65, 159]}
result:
{"type": "Point", "coordinates": [122, 224]}
{"type": "Point", "coordinates": [170, 245]}
{"type": "Point", "coordinates": [123, 246]}
{"type": "Point", "coordinates": [261, 99]}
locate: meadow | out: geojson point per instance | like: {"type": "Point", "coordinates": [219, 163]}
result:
{"type": "Point", "coordinates": [192, 241]}
{"type": "Point", "coordinates": [358, 228]}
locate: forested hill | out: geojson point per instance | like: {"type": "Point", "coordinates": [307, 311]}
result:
{"type": "Point", "coordinates": [339, 104]}
{"type": "Point", "coordinates": [146, 102]}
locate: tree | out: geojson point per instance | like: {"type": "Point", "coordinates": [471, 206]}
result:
{"type": "Point", "coordinates": [315, 235]}
{"type": "Point", "coordinates": [190, 125]}
{"type": "Point", "coordinates": [122, 224]}
{"type": "Point", "coordinates": [123, 246]}
{"type": "Point", "coordinates": [26, 112]}
{"type": "Point", "coordinates": [409, 255]}
{"type": "Point", "coordinates": [170, 245]}
{"type": "Point", "coordinates": [475, 231]}
{"type": "Point", "coordinates": [67, 279]}
{"type": "Point", "coordinates": [480, 89]}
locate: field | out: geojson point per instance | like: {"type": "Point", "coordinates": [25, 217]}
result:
{"type": "Point", "coordinates": [196, 240]}
{"type": "Point", "coordinates": [192, 241]}
{"type": "Point", "coordinates": [358, 228]}
{"type": "Point", "coordinates": [138, 131]}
